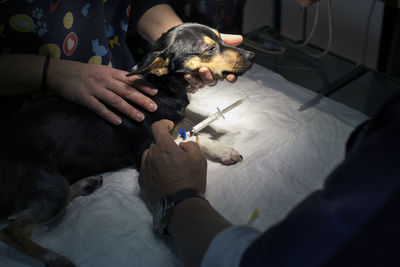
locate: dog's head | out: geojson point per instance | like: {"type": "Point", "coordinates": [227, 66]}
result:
{"type": "Point", "coordinates": [187, 47]}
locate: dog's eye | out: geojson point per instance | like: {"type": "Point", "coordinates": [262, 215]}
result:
{"type": "Point", "coordinates": [210, 49]}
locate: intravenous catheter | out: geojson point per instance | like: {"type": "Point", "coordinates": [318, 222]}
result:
{"type": "Point", "coordinates": [210, 119]}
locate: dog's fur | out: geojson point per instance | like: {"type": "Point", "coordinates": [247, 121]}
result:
{"type": "Point", "coordinates": [49, 149]}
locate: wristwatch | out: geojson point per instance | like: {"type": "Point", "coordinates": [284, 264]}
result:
{"type": "Point", "coordinates": [164, 207]}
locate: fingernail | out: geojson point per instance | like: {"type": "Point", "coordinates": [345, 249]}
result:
{"type": "Point", "coordinates": [139, 116]}
{"type": "Point", "coordinates": [154, 91]}
{"type": "Point", "coordinates": [117, 121]}
{"type": "Point", "coordinates": [203, 69]}
{"type": "Point", "coordinates": [153, 107]}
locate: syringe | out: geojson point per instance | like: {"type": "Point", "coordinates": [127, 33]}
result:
{"type": "Point", "coordinates": [210, 119]}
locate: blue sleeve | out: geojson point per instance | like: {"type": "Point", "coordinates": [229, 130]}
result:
{"type": "Point", "coordinates": [326, 226]}
{"type": "Point", "coordinates": [227, 247]}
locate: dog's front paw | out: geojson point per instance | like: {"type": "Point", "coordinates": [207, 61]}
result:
{"type": "Point", "coordinates": [216, 151]}
{"type": "Point", "coordinates": [53, 259]}
{"type": "Point", "coordinates": [228, 156]}
{"type": "Point", "coordinates": [86, 186]}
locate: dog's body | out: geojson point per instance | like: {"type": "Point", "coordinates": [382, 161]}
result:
{"type": "Point", "coordinates": [48, 150]}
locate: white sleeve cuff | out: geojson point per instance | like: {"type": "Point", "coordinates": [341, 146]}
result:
{"type": "Point", "coordinates": [227, 247]}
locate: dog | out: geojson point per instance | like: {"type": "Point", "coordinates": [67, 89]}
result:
{"type": "Point", "coordinates": [55, 150]}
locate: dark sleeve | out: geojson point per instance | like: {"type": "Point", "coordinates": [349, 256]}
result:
{"type": "Point", "coordinates": [139, 7]}
{"type": "Point", "coordinates": [355, 218]}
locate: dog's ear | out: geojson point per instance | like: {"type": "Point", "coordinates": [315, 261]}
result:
{"type": "Point", "coordinates": [154, 63]}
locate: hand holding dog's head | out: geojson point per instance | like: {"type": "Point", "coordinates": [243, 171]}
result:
{"type": "Point", "coordinates": [188, 47]}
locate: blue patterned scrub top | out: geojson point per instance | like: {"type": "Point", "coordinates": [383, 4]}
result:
{"type": "Point", "coordinates": [89, 31]}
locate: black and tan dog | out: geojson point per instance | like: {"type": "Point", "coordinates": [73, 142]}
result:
{"type": "Point", "coordinates": [50, 152]}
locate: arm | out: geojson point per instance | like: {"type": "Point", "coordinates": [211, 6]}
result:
{"type": "Point", "coordinates": [306, 3]}
{"type": "Point", "coordinates": [87, 84]}
{"type": "Point", "coordinates": [20, 74]}
{"type": "Point", "coordinates": [168, 168]}
{"type": "Point", "coordinates": [156, 21]}
{"type": "Point", "coordinates": [194, 223]}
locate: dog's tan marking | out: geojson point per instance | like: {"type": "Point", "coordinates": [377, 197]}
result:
{"type": "Point", "coordinates": [18, 236]}
{"type": "Point", "coordinates": [114, 41]}
{"type": "Point", "coordinates": [217, 33]}
{"type": "Point", "coordinates": [208, 40]}
{"type": "Point", "coordinates": [229, 61]}
{"type": "Point", "coordinates": [159, 67]}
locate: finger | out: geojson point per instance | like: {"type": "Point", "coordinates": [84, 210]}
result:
{"type": "Point", "coordinates": [144, 156]}
{"type": "Point", "coordinates": [207, 77]}
{"type": "Point", "coordinates": [161, 133]}
{"type": "Point", "coordinates": [142, 85]}
{"type": "Point", "coordinates": [191, 148]}
{"type": "Point", "coordinates": [231, 78]}
{"type": "Point", "coordinates": [191, 89]}
{"type": "Point", "coordinates": [135, 81]}
{"type": "Point", "coordinates": [117, 102]}
{"type": "Point", "coordinates": [131, 94]}
{"type": "Point", "coordinates": [193, 81]}
{"type": "Point", "coordinates": [232, 39]}
{"type": "Point", "coordinates": [101, 110]}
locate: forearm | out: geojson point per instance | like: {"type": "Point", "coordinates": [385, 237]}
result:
{"type": "Point", "coordinates": [156, 21]}
{"type": "Point", "coordinates": [306, 3]}
{"type": "Point", "coordinates": [193, 225]}
{"type": "Point", "coordinates": [20, 74]}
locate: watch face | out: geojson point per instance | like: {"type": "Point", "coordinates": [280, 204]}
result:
{"type": "Point", "coordinates": [159, 220]}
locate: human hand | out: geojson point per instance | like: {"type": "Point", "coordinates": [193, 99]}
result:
{"type": "Point", "coordinates": [206, 77]}
{"type": "Point", "coordinates": [306, 3]}
{"type": "Point", "coordinates": [96, 86]}
{"type": "Point", "coordinates": [167, 168]}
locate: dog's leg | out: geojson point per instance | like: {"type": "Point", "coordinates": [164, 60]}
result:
{"type": "Point", "coordinates": [217, 151]}
{"type": "Point", "coordinates": [86, 186]}
{"type": "Point", "coordinates": [214, 150]}
{"type": "Point", "coordinates": [18, 235]}
{"type": "Point", "coordinates": [42, 197]}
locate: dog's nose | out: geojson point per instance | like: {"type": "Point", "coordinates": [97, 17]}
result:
{"type": "Point", "coordinates": [250, 56]}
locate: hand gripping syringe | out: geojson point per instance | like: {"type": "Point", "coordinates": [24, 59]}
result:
{"type": "Point", "coordinates": [210, 119]}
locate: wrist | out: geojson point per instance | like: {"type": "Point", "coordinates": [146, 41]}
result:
{"type": "Point", "coordinates": [165, 207]}
{"type": "Point", "coordinates": [52, 73]}
{"type": "Point", "coordinates": [186, 208]}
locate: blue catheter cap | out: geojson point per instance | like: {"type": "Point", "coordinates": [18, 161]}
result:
{"type": "Point", "coordinates": [182, 133]}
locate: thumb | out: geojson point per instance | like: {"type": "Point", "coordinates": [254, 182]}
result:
{"type": "Point", "coordinates": [232, 39]}
{"type": "Point", "coordinates": [192, 148]}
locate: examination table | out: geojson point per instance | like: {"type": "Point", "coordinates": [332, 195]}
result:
{"type": "Point", "coordinates": [287, 154]}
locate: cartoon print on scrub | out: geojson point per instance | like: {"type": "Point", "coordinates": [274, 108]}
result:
{"type": "Point", "coordinates": [85, 11]}
{"type": "Point", "coordinates": [114, 41]}
{"type": "Point", "coordinates": [109, 34]}
{"type": "Point", "coordinates": [40, 28]}
{"type": "Point", "coordinates": [109, 31]}
{"type": "Point", "coordinates": [124, 26]}
{"type": "Point", "coordinates": [21, 23]}
{"type": "Point", "coordinates": [68, 20]}
{"type": "Point", "coordinates": [99, 50]}
{"type": "Point", "coordinates": [70, 43]}
{"type": "Point", "coordinates": [53, 6]}
{"type": "Point", "coordinates": [50, 49]}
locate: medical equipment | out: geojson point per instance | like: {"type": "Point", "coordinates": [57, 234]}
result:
{"type": "Point", "coordinates": [210, 119]}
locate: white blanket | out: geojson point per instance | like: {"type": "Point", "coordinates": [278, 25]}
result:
{"type": "Point", "coordinates": [287, 154]}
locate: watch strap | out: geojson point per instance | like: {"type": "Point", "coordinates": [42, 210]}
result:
{"type": "Point", "coordinates": [169, 202]}
{"type": "Point", "coordinates": [183, 194]}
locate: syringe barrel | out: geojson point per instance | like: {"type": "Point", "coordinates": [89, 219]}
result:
{"type": "Point", "coordinates": [205, 123]}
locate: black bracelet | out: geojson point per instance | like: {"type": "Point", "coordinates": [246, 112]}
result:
{"type": "Point", "coordinates": [44, 73]}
